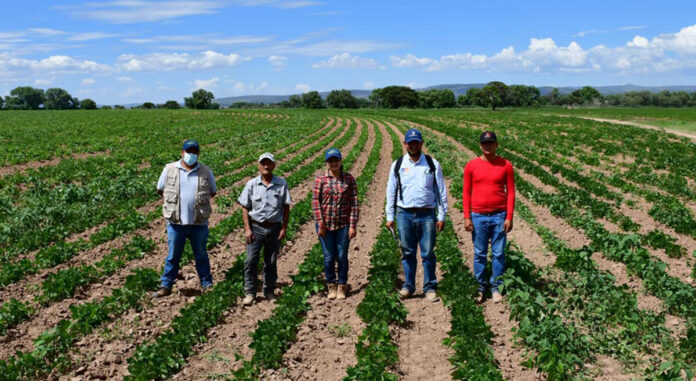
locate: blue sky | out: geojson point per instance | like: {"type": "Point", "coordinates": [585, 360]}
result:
{"type": "Point", "coordinates": [126, 51]}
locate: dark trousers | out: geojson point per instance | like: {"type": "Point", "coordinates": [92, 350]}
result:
{"type": "Point", "coordinates": [265, 238]}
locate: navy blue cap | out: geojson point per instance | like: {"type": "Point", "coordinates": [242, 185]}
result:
{"type": "Point", "coordinates": [190, 144]}
{"type": "Point", "coordinates": [488, 137]}
{"type": "Point", "coordinates": [413, 135]}
{"type": "Point", "coordinates": [332, 152]}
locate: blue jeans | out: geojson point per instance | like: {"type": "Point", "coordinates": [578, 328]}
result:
{"type": "Point", "coordinates": [417, 229]}
{"type": "Point", "coordinates": [177, 235]}
{"type": "Point", "coordinates": [489, 228]}
{"type": "Point", "coordinates": [335, 247]}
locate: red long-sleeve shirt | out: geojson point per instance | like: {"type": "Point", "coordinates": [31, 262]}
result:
{"type": "Point", "coordinates": [489, 187]}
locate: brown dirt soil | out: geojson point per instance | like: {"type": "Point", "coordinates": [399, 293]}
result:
{"type": "Point", "coordinates": [21, 338]}
{"type": "Point", "coordinates": [233, 334]}
{"type": "Point", "coordinates": [641, 125]}
{"type": "Point", "coordinates": [155, 319]}
{"type": "Point", "coordinates": [422, 355]}
{"type": "Point", "coordinates": [17, 168]}
{"type": "Point", "coordinates": [326, 341]}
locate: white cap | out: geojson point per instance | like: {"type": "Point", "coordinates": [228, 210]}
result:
{"type": "Point", "coordinates": [266, 155]}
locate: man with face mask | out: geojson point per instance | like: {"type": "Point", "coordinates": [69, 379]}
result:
{"type": "Point", "coordinates": [265, 203]}
{"type": "Point", "coordinates": [187, 187]}
{"type": "Point", "coordinates": [417, 194]}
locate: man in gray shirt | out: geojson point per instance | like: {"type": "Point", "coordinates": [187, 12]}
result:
{"type": "Point", "coordinates": [187, 187]}
{"type": "Point", "coordinates": [265, 203]}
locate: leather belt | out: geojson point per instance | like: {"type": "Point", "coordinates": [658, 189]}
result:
{"type": "Point", "coordinates": [414, 210]}
{"type": "Point", "coordinates": [266, 224]}
{"type": "Point", "coordinates": [490, 213]}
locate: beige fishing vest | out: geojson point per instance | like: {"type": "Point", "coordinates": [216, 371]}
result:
{"type": "Point", "coordinates": [171, 208]}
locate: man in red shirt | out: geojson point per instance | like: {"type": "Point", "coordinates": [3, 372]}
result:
{"type": "Point", "coordinates": [489, 204]}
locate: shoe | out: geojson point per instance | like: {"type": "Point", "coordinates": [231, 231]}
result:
{"type": "Point", "coordinates": [432, 296]}
{"type": "Point", "coordinates": [332, 291]}
{"type": "Point", "coordinates": [479, 297]}
{"type": "Point", "coordinates": [497, 297]}
{"type": "Point", "coordinates": [404, 293]}
{"type": "Point", "coordinates": [162, 292]}
{"type": "Point", "coordinates": [248, 300]}
{"type": "Point", "coordinates": [207, 289]}
{"type": "Point", "coordinates": [270, 295]}
{"type": "Point", "coordinates": [341, 293]}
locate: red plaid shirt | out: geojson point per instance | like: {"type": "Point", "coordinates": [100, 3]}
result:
{"type": "Point", "coordinates": [335, 201]}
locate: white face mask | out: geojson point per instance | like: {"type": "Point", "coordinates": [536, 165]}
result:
{"type": "Point", "coordinates": [190, 158]}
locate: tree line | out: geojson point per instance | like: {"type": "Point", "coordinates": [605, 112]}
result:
{"type": "Point", "coordinates": [492, 95]}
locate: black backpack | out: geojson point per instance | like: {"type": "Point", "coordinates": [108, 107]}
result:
{"type": "Point", "coordinates": [397, 169]}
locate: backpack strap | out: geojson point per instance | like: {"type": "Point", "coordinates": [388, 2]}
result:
{"type": "Point", "coordinates": [397, 169]}
{"type": "Point", "coordinates": [431, 164]}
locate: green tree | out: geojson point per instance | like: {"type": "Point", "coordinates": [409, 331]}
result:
{"type": "Point", "coordinates": [2, 102]}
{"type": "Point", "coordinates": [200, 99]}
{"type": "Point", "coordinates": [148, 105]}
{"type": "Point", "coordinates": [171, 105]}
{"type": "Point", "coordinates": [105, 107]}
{"type": "Point", "coordinates": [119, 107]}
{"type": "Point", "coordinates": [477, 97]}
{"type": "Point", "coordinates": [295, 101]}
{"type": "Point", "coordinates": [60, 99]}
{"type": "Point", "coordinates": [463, 101]}
{"type": "Point", "coordinates": [523, 96]}
{"type": "Point", "coordinates": [434, 98]}
{"type": "Point", "coordinates": [312, 99]}
{"type": "Point", "coordinates": [25, 98]}
{"type": "Point", "coordinates": [88, 104]}
{"type": "Point", "coordinates": [497, 93]}
{"type": "Point", "coordinates": [394, 97]}
{"type": "Point", "coordinates": [587, 95]}
{"type": "Point", "coordinates": [341, 99]}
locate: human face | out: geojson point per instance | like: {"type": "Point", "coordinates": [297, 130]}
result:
{"type": "Point", "coordinates": [334, 164]}
{"type": "Point", "coordinates": [414, 147]}
{"type": "Point", "coordinates": [489, 148]}
{"type": "Point", "coordinates": [266, 167]}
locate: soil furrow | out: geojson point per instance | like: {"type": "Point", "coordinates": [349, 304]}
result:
{"type": "Point", "coordinates": [220, 259]}
{"type": "Point", "coordinates": [232, 336]}
{"type": "Point", "coordinates": [326, 340]}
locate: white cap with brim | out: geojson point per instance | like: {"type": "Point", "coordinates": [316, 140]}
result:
{"type": "Point", "coordinates": [266, 155]}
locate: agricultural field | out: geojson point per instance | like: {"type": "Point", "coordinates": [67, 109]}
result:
{"type": "Point", "coordinates": [601, 264]}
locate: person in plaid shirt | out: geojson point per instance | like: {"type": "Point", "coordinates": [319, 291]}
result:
{"type": "Point", "coordinates": [336, 212]}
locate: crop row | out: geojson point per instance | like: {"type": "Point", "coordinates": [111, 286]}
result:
{"type": "Point", "coordinates": [274, 335]}
{"type": "Point", "coordinates": [225, 227]}
{"type": "Point", "coordinates": [168, 353]}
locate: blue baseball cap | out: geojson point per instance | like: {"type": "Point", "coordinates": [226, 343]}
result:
{"type": "Point", "coordinates": [413, 135]}
{"type": "Point", "coordinates": [190, 144]}
{"type": "Point", "coordinates": [332, 152]}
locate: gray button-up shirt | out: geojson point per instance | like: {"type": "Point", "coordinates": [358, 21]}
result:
{"type": "Point", "coordinates": [188, 186]}
{"type": "Point", "coordinates": [265, 203]}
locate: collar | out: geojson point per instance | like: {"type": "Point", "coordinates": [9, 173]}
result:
{"type": "Point", "coordinates": [274, 180]}
{"type": "Point", "coordinates": [328, 174]}
{"type": "Point", "coordinates": [178, 165]}
{"type": "Point", "coordinates": [421, 158]}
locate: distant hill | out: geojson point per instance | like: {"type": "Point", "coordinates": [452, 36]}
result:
{"type": "Point", "coordinates": [460, 89]}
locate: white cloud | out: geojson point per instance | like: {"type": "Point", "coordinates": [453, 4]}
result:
{"type": "Point", "coordinates": [347, 61]}
{"type": "Point", "coordinates": [302, 88]}
{"type": "Point", "coordinates": [410, 60]}
{"type": "Point", "coordinates": [278, 62]}
{"type": "Point", "coordinates": [46, 31]}
{"type": "Point", "coordinates": [200, 39]}
{"type": "Point", "coordinates": [179, 61]}
{"type": "Point", "coordinates": [206, 83]}
{"type": "Point", "coordinates": [88, 81]}
{"type": "Point", "coordinates": [124, 79]}
{"type": "Point", "coordinates": [52, 64]}
{"type": "Point", "coordinates": [277, 3]}
{"type": "Point", "coordinates": [241, 88]}
{"type": "Point", "coordinates": [137, 11]}
{"type": "Point", "coordinates": [91, 36]}
{"type": "Point", "coordinates": [368, 85]}
{"type": "Point", "coordinates": [42, 82]}
{"type": "Point", "coordinates": [604, 31]}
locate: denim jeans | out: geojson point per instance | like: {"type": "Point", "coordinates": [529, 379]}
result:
{"type": "Point", "coordinates": [489, 228]}
{"type": "Point", "coordinates": [335, 248]}
{"type": "Point", "coordinates": [417, 229]}
{"type": "Point", "coordinates": [198, 237]}
{"type": "Point", "coordinates": [265, 238]}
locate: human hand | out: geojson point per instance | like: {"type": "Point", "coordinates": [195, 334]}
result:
{"type": "Point", "coordinates": [390, 225]}
{"type": "Point", "coordinates": [440, 225]}
{"type": "Point", "coordinates": [507, 226]}
{"type": "Point", "coordinates": [322, 232]}
{"type": "Point", "coordinates": [249, 236]}
{"type": "Point", "coordinates": [282, 234]}
{"type": "Point", "coordinates": [352, 233]}
{"type": "Point", "coordinates": [468, 225]}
